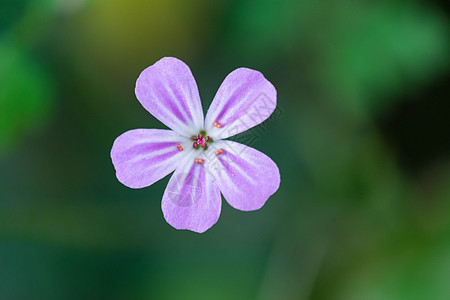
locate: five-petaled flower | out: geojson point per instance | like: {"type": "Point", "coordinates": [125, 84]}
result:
{"type": "Point", "coordinates": [205, 164]}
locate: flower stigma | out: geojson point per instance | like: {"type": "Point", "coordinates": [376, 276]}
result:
{"type": "Point", "coordinates": [201, 140]}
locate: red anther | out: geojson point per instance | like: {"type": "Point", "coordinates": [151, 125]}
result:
{"type": "Point", "coordinates": [195, 145]}
{"type": "Point", "coordinates": [203, 145]}
{"type": "Point", "coordinates": [179, 147]}
{"type": "Point", "coordinates": [207, 139]}
{"type": "Point", "coordinates": [220, 151]}
{"type": "Point", "coordinates": [217, 124]}
{"type": "Point", "coordinates": [199, 161]}
{"type": "Point", "coordinates": [200, 136]}
{"type": "Point", "coordinates": [194, 138]}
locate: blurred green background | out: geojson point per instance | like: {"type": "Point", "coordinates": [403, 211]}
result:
{"type": "Point", "coordinates": [361, 137]}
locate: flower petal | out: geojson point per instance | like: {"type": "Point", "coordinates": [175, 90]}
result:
{"type": "Point", "coordinates": [143, 156]}
{"type": "Point", "coordinates": [245, 176]}
{"type": "Point", "coordinates": [169, 92]}
{"type": "Point", "coordinates": [245, 99]}
{"type": "Point", "coordinates": [191, 200]}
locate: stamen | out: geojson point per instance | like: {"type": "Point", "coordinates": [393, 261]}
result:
{"type": "Point", "coordinates": [195, 145]}
{"type": "Point", "coordinates": [203, 145]}
{"type": "Point", "coordinates": [179, 147]}
{"type": "Point", "coordinates": [194, 138]}
{"type": "Point", "coordinates": [207, 139]}
{"type": "Point", "coordinates": [200, 136]}
{"type": "Point", "coordinates": [199, 161]}
{"type": "Point", "coordinates": [217, 124]}
{"type": "Point", "coordinates": [220, 151]}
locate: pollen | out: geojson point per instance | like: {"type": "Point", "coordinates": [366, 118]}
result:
{"type": "Point", "coordinates": [199, 161]}
{"type": "Point", "coordinates": [217, 124]}
{"type": "Point", "coordinates": [220, 151]}
{"type": "Point", "coordinates": [179, 147]}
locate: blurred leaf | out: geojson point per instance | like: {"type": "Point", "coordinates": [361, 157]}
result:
{"type": "Point", "coordinates": [360, 53]}
{"type": "Point", "coordinates": [26, 94]}
{"type": "Point", "coordinates": [11, 11]}
{"type": "Point", "coordinates": [375, 50]}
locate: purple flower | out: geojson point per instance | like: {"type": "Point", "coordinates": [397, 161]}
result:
{"type": "Point", "coordinates": [205, 164]}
